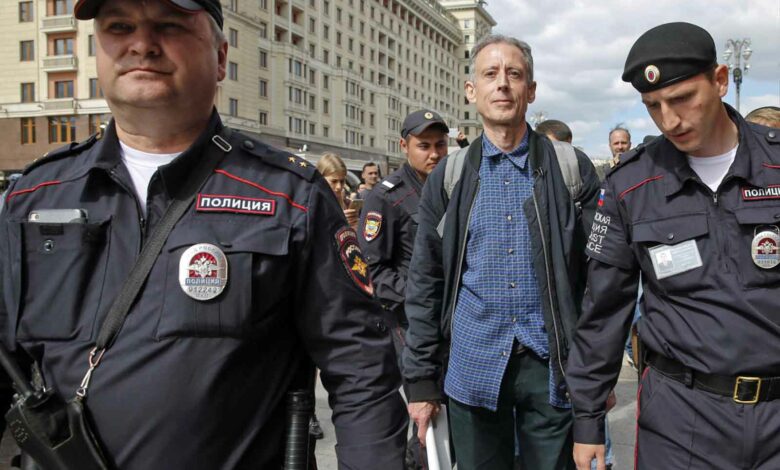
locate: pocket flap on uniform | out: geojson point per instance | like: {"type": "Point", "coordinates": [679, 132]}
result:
{"type": "Point", "coordinates": [671, 231]}
{"type": "Point", "coordinates": [758, 216]}
{"type": "Point", "coordinates": [233, 238]}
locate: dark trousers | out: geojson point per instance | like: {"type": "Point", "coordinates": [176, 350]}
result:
{"type": "Point", "coordinates": [484, 439]}
{"type": "Point", "coordinates": [687, 428]}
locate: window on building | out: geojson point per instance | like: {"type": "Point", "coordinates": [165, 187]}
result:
{"type": "Point", "coordinates": [325, 81]}
{"type": "Point", "coordinates": [326, 7]}
{"type": "Point", "coordinates": [338, 15]}
{"type": "Point", "coordinates": [28, 130]}
{"type": "Point", "coordinates": [63, 7]}
{"type": "Point", "coordinates": [63, 89]}
{"type": "Point", "coordinates": [94, 88]}
{"type": "Point", "coordinates": [26, 50]}
{"type": "Point", "coordinates": [312, 25]}
{"type": "Point", "coordinates": [312, 128]}
{"type": "Point", "coordinates": [263, 30]}
{"type": "Point", "coordinates": [326, 56]}
{"type": "Point", "coordinates": [312, 50]}
{"type": "Point", "coordinates": [263, 118]}
{"type": "Point", "coordinates": [25, 13]}
{"type": "Point", "coordinates": [233, 5]}
{"type": "Point", "coordinates": [28, 92]}
{"type": "Point", "coordinates": [326, 32]}
{"type": "Point", "coordinates": [62, 129]}
{"type": "Point", "coordinates": [263, 59]}
{"type": "Point", "coordinates": [338, 38]}
{"type": "Point", "coordinates": [233, 71]}
{"type": "Point", "coordinates": [233, 107]}
{"type": "Point", "coordinates": [63, 46]}
{"type": "Point", "coordinates": [98, 122]}
{"type": "Point", "coordinates": [338, 61]}
{"type": "Point", "coordinates": [263, 88]}
{"type": "Point", "coordinates": [466, 53]}
{"type": "Point", "coordinates": [263, 4]}
{"type": "Point", "coordinates": [312, 103]}
{"type": "Point", "coordinates": [325, 131]}
{"type": "Point", "coordinates": [233, 37]}
{"type": "Point", "coordinates": [312, 77]}
{"type": "Point", "coordinates": [92, 46]}
{"type": "Point", "coordinates": [325, 106]}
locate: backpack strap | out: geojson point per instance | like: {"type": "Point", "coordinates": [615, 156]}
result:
{"type": "Point", "coordinates": [570, 167]}
{"type": "Point", "coordinates": [453, 169]}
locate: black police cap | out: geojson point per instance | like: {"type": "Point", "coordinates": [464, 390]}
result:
{"type": "Point", "coordinates": [88, 9]}
{"type": "Point", "coordinates": [668, 54]}
{"type": "Point", "coordinates": [418, 121]}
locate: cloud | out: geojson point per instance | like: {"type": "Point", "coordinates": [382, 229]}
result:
{"type": "Point", "coordinates": [580, 48]}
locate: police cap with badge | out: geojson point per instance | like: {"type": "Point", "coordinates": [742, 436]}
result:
{"type": "Point", "coordinates": [88, 9]}
{"type": "Point", "coordinates": [668, 54]}
{"type": "Point", "coordinates": [419, 121]}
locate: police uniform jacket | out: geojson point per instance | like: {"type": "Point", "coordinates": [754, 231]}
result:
{"type": "Point", "coordinates": [719, 315]}
{"type": "Point", "coordinates": [558, 233]}
{"type": "Point", "coordinates": [388, 225]}
{"type": "Point", "coordinates": [189, 383]}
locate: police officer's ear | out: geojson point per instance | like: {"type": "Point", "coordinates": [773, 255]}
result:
{"type": "Point", "coordinates": [721, 79]}
{"type": "Point", "coordinates": [404, 146]}
{"type": "Point", "coordinates": [222, 60]}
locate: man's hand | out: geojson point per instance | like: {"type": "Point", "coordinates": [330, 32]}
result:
{"type": "Point", "coordinates": [585, 453]}
{"type": "Point", "coordinates": [422, 413]}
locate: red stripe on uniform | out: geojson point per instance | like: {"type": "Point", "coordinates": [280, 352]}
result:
{"type": "Point", "coordinates": [648, 180]}
{"type": "Point", "coordinates": [262, 188]}
{"type": "Point", "coordinates": [636, 432]}
{"type": "Point", "coordinates": [34, 188]}
{"type": "Point", "coordinates": [774, 167]}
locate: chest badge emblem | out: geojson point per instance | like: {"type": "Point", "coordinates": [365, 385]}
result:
{"type": "Point", "coordinates": [765, 248]}
{"type": "Point", "coordinates": [203, 271]}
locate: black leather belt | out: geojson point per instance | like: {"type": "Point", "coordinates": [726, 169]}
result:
{"type": "Point", "coordinates": [742, 389]}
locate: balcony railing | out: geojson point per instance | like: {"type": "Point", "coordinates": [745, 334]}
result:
{"type": "Point", "coordinates": [54, 24]}
{"type": "Point", "coordinates": [60, 63]}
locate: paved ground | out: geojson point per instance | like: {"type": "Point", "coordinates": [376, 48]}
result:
{"type": "Point", "coordinates": [622, 421]}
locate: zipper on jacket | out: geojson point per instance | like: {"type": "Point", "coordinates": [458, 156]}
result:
{"type": "Point", "coordinates": [547, 275]}
{"type": "Point", "coordinates": [460, 260]}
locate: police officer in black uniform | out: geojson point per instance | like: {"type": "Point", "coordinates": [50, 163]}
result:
{"type": "Point", "coordinates": [388, 225]}
{"type": "Point", "coordinates": [260, 276]}
{"type": "Point", "coordinates": [388, 222]}
{"type": "Point", "coordinates": [697, 213]}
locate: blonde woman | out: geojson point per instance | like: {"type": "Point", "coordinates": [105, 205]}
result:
{"type": "Point", "coordinates": [332, 168]}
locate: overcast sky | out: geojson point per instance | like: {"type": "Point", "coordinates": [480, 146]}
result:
{"type": "Point", "coordinates": [580, 48]}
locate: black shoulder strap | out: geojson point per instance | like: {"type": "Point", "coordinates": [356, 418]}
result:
{"type": "Point", "coordinates": [132, 286]}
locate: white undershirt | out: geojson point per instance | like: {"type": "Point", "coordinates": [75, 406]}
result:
{"type": "Point", "coordinates": [711, 170]}
{"type": "Point", "coordinates": [142, 166]}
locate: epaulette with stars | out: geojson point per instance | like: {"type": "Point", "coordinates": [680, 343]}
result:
{"type": "Point", "coordinates": [278, 158]}
{"type": "Point", "coordinates": [65, 151]}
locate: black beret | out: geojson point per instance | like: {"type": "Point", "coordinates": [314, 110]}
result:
{"type": "Point", "coordinates": [668, 54]}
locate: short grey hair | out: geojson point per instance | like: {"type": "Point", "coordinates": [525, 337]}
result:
{"type": "Point", "coordinates": [490, 39]}
{"type": "Point", "coordinates": [619, 128]}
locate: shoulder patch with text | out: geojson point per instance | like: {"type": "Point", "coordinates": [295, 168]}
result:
{"type": "Point", "coordinates": [757, 194]}
{"type": "Point", "coordinates": [235, 204]}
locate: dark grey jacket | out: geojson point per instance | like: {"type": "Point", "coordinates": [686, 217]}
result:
{"type": "Point", "coordinates": [558, 232]}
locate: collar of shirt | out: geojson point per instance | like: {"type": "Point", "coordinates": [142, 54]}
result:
{"type": "Point", "coordinates": [518, 156]}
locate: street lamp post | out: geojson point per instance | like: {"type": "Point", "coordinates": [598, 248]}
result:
{"type": "Point", "coordinates": [740, 50]}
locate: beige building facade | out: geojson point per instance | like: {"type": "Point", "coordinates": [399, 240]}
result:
{"type": "Point", "coordinates": [309, 76]}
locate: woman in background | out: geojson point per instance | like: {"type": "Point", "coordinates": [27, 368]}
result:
{"type": "Point", "coordinates": [334, 171]}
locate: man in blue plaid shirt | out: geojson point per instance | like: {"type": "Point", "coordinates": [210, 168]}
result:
{"type": "Point", "coordinates": [496, 285]}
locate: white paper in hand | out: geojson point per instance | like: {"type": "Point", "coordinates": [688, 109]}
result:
{"type": "Point", "coordinates": [437, 442]}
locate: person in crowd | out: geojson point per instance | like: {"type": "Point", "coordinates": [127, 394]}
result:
{"type": "Point", "coordinates": [370, 176]}
{"type": "Point", "coordinates": [696, 213]}
{"type": "Point", "coordinates": [494, 285]}
{"type": "Point", "coordinates": [333, 169]}
{"type": "Point", "coordinates": [766, 116]}
{"type": "Point", "coordinates": [259, 280]}
{"type": "Point", "coordinates": [389, 224]}
{"type": "Point", "coordinates": [554, 130]}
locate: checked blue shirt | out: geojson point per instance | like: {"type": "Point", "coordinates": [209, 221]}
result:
{"type": "Point", "coordinates": [498, 300]}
